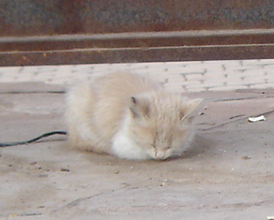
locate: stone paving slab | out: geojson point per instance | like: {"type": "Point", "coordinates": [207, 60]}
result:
{"type": "Point", "coordinates": [226, 174]}
{"type": "Point", "coordinates": [180, 76]}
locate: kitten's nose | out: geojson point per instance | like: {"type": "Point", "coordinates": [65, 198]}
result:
{"type": "Point", "coordinates": [160, 155]}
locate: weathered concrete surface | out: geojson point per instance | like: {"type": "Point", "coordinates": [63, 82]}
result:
{"type": "Point", "coordinates": [228, 173]}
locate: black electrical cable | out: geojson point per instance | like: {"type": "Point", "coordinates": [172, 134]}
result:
{"type": "Point", "coordinates": [34, 139]}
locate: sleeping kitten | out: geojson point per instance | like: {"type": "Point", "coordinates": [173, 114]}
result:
{"type": "Point", "coordinates": [129, 116]}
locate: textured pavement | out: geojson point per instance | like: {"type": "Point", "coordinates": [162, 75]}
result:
{"type": "Point", "coordinates": [226, 174]}
{"type": "Point", "coordinates": [179, 76]}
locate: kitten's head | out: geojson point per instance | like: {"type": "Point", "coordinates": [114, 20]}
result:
{"type": "Point", "coordinates": [161, 123]}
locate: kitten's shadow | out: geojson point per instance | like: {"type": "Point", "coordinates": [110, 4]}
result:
{"type": "Point", "coordinates": [200, 145]}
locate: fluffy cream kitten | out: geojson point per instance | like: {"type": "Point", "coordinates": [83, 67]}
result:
{"type": "Point", "coordinates": [129, 116]}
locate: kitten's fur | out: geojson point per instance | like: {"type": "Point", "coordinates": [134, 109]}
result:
{"type": "Point", "coordinates": [128, 116]}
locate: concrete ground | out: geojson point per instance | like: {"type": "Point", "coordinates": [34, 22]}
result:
{"type": "Point", "coordinates": [227, 173]}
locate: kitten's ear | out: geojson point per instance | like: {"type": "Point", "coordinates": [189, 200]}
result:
{"type": "Point", "coordinates": [139, 107]}
{"type": "Point", "coordinates": [188, 107]}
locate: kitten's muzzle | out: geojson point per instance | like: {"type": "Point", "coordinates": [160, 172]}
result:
{"type": "Point", "coordinates": [160, 155]}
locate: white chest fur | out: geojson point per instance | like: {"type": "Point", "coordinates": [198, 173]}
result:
{"type": "Point", "coordinates": [124, 147]}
